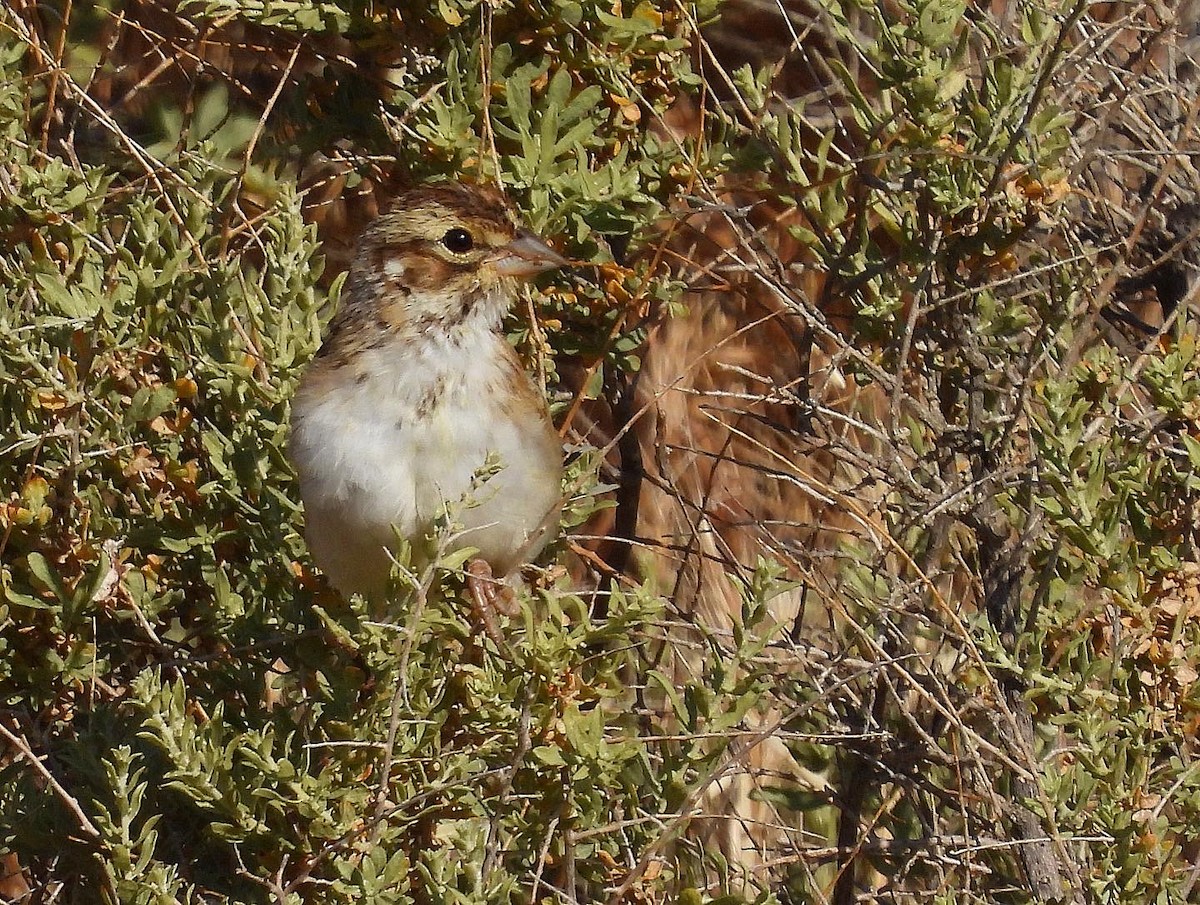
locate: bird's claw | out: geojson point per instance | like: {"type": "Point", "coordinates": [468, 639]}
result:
{"type": "Point", "coordinates": [490, 596]}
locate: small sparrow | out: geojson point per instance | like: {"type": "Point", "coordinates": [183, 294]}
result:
{"type": "Point", "coordinates": [416, 401]}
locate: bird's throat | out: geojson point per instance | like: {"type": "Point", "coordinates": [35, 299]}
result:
{"type": "Point", "coordinates": [428, 370]}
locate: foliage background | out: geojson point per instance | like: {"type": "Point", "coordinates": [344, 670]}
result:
{"type": "Point", "coordinates": [880, 572]}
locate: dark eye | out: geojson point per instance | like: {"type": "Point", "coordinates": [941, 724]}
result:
{"type": "Point", "coordinates": [458, 240]}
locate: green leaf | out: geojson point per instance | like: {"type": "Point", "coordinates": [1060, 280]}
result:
{"type": "Point", "coordinates": [663, 682]}
{"type": "Point", "coordinates": [40, 567]}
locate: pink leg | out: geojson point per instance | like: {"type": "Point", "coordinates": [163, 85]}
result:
{"type": "Point", "coordinates": [490, 596]}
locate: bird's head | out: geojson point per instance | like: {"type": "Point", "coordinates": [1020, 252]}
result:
{"type": "Point", "coordinates": [443, 255]}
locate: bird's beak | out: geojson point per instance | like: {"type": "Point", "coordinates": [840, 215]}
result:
{"type": "Point", "coordinates": [525, 256]}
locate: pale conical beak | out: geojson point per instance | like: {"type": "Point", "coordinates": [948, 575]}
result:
{"type": "Point", "coordinates": [525, 256]}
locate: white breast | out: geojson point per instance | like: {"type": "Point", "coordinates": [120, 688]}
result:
{"type": "Point", "coordinates": [402, 433]}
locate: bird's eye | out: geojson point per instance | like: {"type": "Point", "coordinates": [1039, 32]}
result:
{"type": "Point", "coordinates": [458, 240]}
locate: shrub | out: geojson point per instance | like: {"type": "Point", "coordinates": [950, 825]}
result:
{"type": "Point", "coordinates": [910, 610]}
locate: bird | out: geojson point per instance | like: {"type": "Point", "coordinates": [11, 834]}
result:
{"type": "Point", "coordinates": [416, 404]}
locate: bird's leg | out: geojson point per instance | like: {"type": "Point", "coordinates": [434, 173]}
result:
{"type": "Point", "coordinates": [489, 596]}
